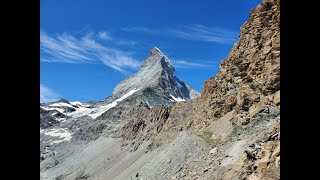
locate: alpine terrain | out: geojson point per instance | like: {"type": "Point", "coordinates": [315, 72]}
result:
{"type": "Point", "coordinates": [155, 126]}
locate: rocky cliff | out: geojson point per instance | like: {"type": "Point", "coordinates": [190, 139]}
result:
{"type": "Point", "coordinates": [250, 76]}
{"type": "Point", "coordinates": [248, 79]}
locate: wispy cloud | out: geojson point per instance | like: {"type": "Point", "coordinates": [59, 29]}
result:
{"type": "Point", "coordinates": [186, 64]}
{"type": "Point", "coordinates": [196, 32]}
{"type": "Point", "coordinates": [47, 94]}
{"type": "Point", "coordinates": [67, 48]}
{"type": "Point", "coordinates": [104, 35]}
{"type": "Point", "coordinates": [200, 32]}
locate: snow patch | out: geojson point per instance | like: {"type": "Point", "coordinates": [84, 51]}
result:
{"type": "Point", "coordinates": [60, 119]}
{"type": "Point", "coordinates": [79, 104]}
{"type": "Point", "coordinates": [81, 111]}
{"type": "Point", "coordinates": [177, 99]}
{"type": "Point", "coordinates": [95, 112]}
{"type": "Point", "coordinates": [57, 132]}
{"type": "Point", "coordinates": [168, 62]}
{"type": "Point", "coordinates": [61, 104]}
{"type": "Point", "coordinates": [102, 109]}
{"type": "Point", "coordinates": [148, 104]}
{"type": "Point", "coordinates": [56, 141]}
{"type": "Point", "coordinates": [49, 108]}
{"type": "Point", "coordinates": [157, 49]}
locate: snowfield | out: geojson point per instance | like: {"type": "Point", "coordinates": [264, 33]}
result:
{"type": "Point", "coordinates": [177, 99]}
{"type": "Point", "coordinates": [105, 108]}
{"type": "Point", "coordinates": [48, 109]}
{"type": "Point", "coordinates": [62, 133]}
{"type": "Point", "coordinates": [77, 103]}
{"type": "Point", "coordinates": [81, 111]}
{"type": "Point", "coordinates": [61, 104]}
{"type": "Point", "coordinates": [95, 112]}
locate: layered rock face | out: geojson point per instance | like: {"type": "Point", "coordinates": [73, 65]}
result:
{"type": "Point", "coordinates": [250, 75]}
{"type": "Point", "coordinates": [248, 79]}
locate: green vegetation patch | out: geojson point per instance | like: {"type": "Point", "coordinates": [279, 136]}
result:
{"type": "Point", "coordinates": [207, 137]}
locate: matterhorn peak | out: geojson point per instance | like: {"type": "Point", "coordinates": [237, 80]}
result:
{"type": "Point", "coordinates": [155, 51]}
{"type": "Point", "coordinates": [156, 75]}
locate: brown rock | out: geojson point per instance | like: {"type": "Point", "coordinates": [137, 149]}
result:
{"type": "Point", "coordinates": [267, 50]}
{"type": "Point", "coordinates": [276, 98]}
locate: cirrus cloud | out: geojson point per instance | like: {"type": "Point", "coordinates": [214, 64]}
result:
{"type": "Point", "coordinates": [195, 32]}
{"type": "Point", "coordinates": [66, 48]}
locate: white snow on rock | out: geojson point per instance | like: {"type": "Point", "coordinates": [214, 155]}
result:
{"type": "Point", "coordinates": [56, 141]}
{"type": "Point", "coordinates": [95, 112]}
{"type": "Point", "coordinates": [61, 104]}
{"type": "Point", "coordinates": [60, 119]}
{"type": "Point", "coordinates": [58, 132]}
{"type": "Point", "coordinates": [41, 130]}
{"type": "Point", "coordinates": [81, 111]}
{"type": "Point", "coordinates": [157, 48]}
{"type": "Point", "coordinates": [177, 99]}
{"type": "Point", "coordinates": [213, 151]}
{"type": "Point", "coordinates": [148, 104]}
{"type": "Point", "coordinates": [79, 104]}
{"type": "Point", "coordinates": [102, 109]}
{"type": "Point", "coordinates": [169, 62]}
{"type": "Point", "coordinates": [49, 108]}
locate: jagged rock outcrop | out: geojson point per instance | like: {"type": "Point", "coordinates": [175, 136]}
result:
{"type": "Point", "coordinates": [250, 75]}
{"type": "Point", "coordinates": [144, 123]}
{"type": "Point", "coordinates": [248, 79]}
{"type": "Point", "coordinates": [49, 118]}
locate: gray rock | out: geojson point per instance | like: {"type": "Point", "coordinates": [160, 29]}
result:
{"type": "Point", "coordinates": [156, 77]}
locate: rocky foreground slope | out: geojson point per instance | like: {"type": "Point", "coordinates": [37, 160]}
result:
{"type": "Point", "coordinates": [145, 131]}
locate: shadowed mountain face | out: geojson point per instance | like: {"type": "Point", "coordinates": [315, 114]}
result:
{"type": "Point", "coordinates": [153, 127]}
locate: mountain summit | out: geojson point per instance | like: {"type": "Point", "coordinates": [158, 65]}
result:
{"type": "Point", "coordinates": [156, 77]}
{"type": "Point", "coordinates": [155, 51]}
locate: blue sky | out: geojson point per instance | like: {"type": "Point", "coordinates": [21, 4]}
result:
{"type": "Point", "coordinates": [88, 47]}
